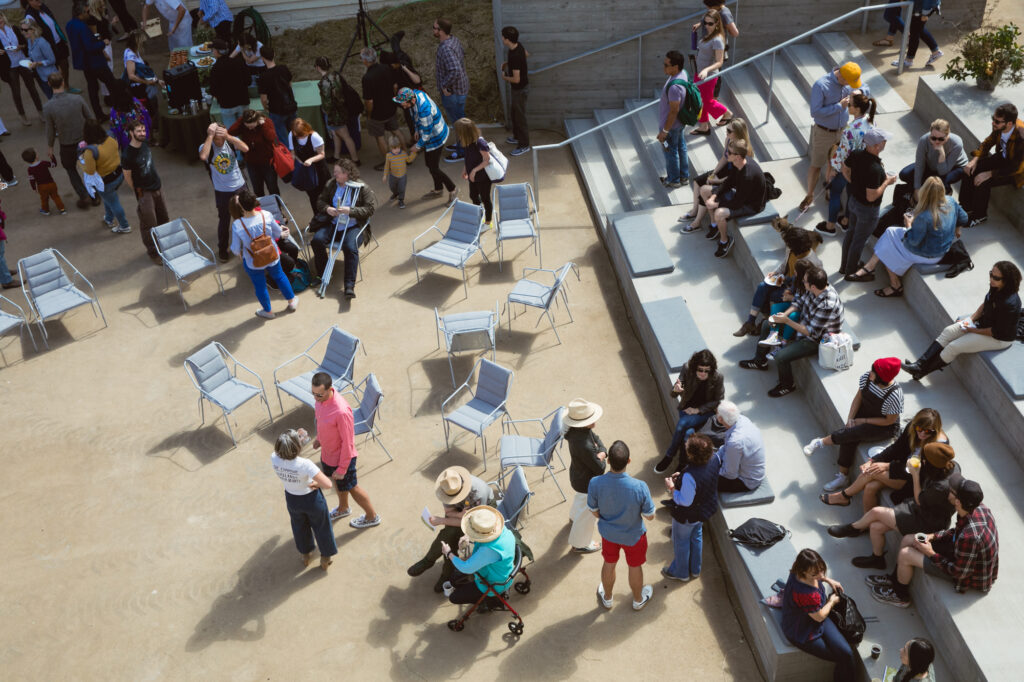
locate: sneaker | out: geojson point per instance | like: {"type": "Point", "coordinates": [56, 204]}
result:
{"type": "Point", "coordinates": [453, 147]}
{"type": "Point", "coordinates": [645, 596]}
{"type": "Point", "coordinates": [401, 204]}
{"type": "Point", "coordinates": [452, 196]}
{"type": "Point", "coordinates": [518, 151]}
{"type": "Point", "coordinates": [42, 212]}
{"type": "Point", "coordinates": [723, 249]}
{"type": "Point", "coordinates": [432, 194]}
{"type": "Point", "coordinates": [63, 211]}
{"type": "Point", "coordinates": [693, 228]}
{"type": "Point", "coordinates": [935, 56]}
{"type": "Point", "coordinates": [712, 232]}
{"type": "Point", "coordinates": [455, 157]}
{"type": "Point", "coordinates": [293, 304]}
{"type": "Point", "coordinates": [589, 549]}
{"type": "Point", "coordinates": [662, 467]}
{"type": "Point", "coordinates": [363, 522]}
{"type": "Point", "coordinates": [607, 603]}
{"type": "Point", "coordinates": [812, 446]}
{"type": "Point", "coordinates": [837, 483]}
{"type": "Point", "coordinates": [779, 390]}
{"type": "Point", "coordinates": [973, 223]}
{"type": "Point", "coordinates": [509, 140]}
{"type": "Point", "coordinates": [123, 229]}
{"type": "Point", "coordinates": [907, 63]}
{"type": "Point", "coordinates": [670, 185]}
{"type": "Point", "coordinates": [12, 182]}
{"type": "Point", "coordinates": [879, 579]}
{"type": "Point", "coordinates": [265, 314]}
{"type": "Point", "coordinates": [111, 225]}
{"type": "Point", "coordinates": [887, 595]}
{"type": "Point", "coordinates": [392, 197]}
{"type": "Point", "coordinates": [664, 572]}
{"type": "Point", "coordinates": [771, 340]}
{"type": "Point", "coordinates": [754, 364]}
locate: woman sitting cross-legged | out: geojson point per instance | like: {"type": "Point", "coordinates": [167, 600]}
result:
{"type": "Point", "coordinates": [887, 468]}
{"type": "Point", "coordinates": [930, 511]}
{"type": "Point", "coordinates": [736, 130]}
{"type": "Point", "coordinates": [925, 239]}
{"type": "Point", "coordinates": [874, 415]}
{"type": "Point", "coordinates": [993, 326]}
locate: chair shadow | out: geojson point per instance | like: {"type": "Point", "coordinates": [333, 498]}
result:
{"type": "Point", "coordinates": [266, 580]}
{"type": "Point", "coordinates": [430, 469]}
{"type": "Point", "coordinates": [229, 337]}
{"type": "Point", "coordinates": [439, 378]}
{"type": "Point", "coordinates": [26, 348]}
{"type": "Point", "coordinates": [164, 303]}
{"type": "Point", "coordinates": [206, 444]}
{"type": "Point", "coordinates": [490, 274]}
{"type": "Point", "coordinates": [432, 291]}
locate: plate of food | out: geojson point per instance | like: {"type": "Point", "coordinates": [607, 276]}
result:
{"type": "Point", "coordinates": [205, 61]}
{"type": "Point", "coordinates": [775, 279]}
{"type": "Point", "coordinates": [203, 49]}
{"type": "Point", "coordinates": [25, 63]}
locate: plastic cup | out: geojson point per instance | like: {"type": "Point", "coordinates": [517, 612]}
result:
{"type": "Point", "coordinates": [876, 651]}
{"type": "Point", "coordinates": [921, 537]}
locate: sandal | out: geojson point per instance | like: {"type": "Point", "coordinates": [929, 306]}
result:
{"type": "Point", "coordinates": [806, 203]}
{"type": "Point", "coordinates": [893, 293]}
{"type": "Point", "coordinates": [725, 121]}
{"type": "Point", "coordinates": [884, 42]}
{"type": "Point", "coordinates": [698, 131]}
{"type": "Point", "coordinates": [824, 497]}
{"type": "Point", "coordinates": [823, 227]}
{"type": "Point", "coordinates": [867, 276]}
{"type": "Point", "coordinates": [688, 217]}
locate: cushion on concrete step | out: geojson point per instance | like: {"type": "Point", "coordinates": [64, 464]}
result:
{"type": "Point", "coordinates": [642, 246]}
{"type": "Point", "coordinates": [766, 216]}
{"type": "Point", "coordinates": [1008, 365]}
{"type": "Point", "coordinates": [766, 565]}
{"type": "Point", "coordinates": [762, 495]}
{"type": "Point", "coordinates": [675, 329]}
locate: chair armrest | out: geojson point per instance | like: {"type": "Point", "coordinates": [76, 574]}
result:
{"type": "Point", "coordinates": [301, 355]}
{"type": "Point", "coordinates": [200, 242]}
{"type": "Point", "coordinates": [505, 422]}
{"type": "Point", "coordinates": [432, 227]}
{"type": "Point", "coordinates": [554, 275]}
{"type": "Point", "coordinates": [239, 364]}
{"type": "Point", "coordinates": [452, 396]}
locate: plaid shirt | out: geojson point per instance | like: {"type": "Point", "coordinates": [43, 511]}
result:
{"type": "Point", "coordinates": [451, 67]}
{"type": "Point", "coordinates": [975, 562]}
{"type": "Point", "coordinates": [821, 314]}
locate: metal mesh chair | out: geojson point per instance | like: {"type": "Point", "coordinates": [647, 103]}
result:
{"type": "Point", "coordinates": [183, 253]}
{"type": "Point", "coordinates": [458, 244]}
{"type": "Point", "coordinates": [367, 414]}
{"type": "Point", "coordinates": [467, 331]}
{"type": "Point", "coordinates": [221, 386]}
{"type": "Point", "coordinates": [517, 217]}
{"type": "Point", "coordinates": [50, 291]}
{"type": "Point", "coordinates": [485, 406]}
{"type": "Point", "coordinates": [338, 361]}
{"type": "Point", "coordinates": [516, 497]}
{"type": "Point", "coordinates": [10, 320]}
{"type": "Point", "coordinates": [529, 292]}
{"type": "Point", "coordinates": [523, 451]}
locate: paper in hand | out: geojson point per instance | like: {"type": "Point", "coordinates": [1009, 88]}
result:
{"type": "Point", "coordinates": [426, 516]}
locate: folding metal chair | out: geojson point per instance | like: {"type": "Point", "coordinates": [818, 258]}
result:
{"type": "Point", "coordinates": [467, 331]}
{"type": "Point", "coordinates": [528, 292]}
{"type": "Point", "coordinates": [516, 496]}
{"type": "Point", "coordinates": [486, 404]}
{"type": "Point", "coordinates": [517, 216]}
{"type": "Point", "coordinates": [274, 204]}
{"type": "Point", "coordinates": [517, 451]}
{"type": "Point", "coordinates": [50, 291]}
{"type": "Point", "coordinates": [367, 414]}
{"type": "Point", "coordinates": [338, 361]}
{"type": "Point", "coordinates": [181, 250]}
{"type": "Point", "coordinates": [221, 386]}
{"type": "Point", "coordinates": [458, 244]}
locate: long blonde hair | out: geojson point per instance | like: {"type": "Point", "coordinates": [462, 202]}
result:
{"type": "Point", "coordinates": [932, 197]}
{"type": "Point", "coordinates": [466, 131]}
{"type": "Point", "coordinates": [737, 129]}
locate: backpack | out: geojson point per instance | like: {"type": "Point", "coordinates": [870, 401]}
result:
{"type": "Point", "coordinates": [770, 190]}
{"type": "Point", "coordinates": [692, 105]}
{"type": "Point", "coordinates": [848, 620]}
{"type": "Point", "coordinates": [758, 533]}
{"type": "Point", "coordinates": [300, 276]}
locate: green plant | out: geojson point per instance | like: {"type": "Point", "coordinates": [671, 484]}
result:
{"type": "Point", "coordinates": [988, 55]}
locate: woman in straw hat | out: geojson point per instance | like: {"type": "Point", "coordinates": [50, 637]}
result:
{"type": "Point", "coordinates": [588, 456]}
{"type": "Point", "coordinates": [458, 490]}
{"type": "Point", "coordinates": [491, 560]}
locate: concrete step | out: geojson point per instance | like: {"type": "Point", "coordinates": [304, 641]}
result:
{"type": "Point", "coordinates": [808, 63]}
{"type": "Point", "coordinates": [839, 49]}
{"type": "Point", "coordinates": [699, 152]}
{"type": "Point", "coordinates": [745, 97]}
{"type": "Point", "coordinates": [789, 101]}
{"type": "Point", "coordinates": [633, 162]}
{"type": "Point", "coordinates": [597, 166]}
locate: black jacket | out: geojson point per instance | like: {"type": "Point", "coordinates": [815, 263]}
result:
{"type": "Point", "coordinates": [584, 445]}
{"type": "Point", "coordinates": [714, 394]}
{"type": "Point", "coordinates": [229, 82]}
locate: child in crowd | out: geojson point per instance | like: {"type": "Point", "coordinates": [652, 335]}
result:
{"type": "Point", "coordinates": [395, 166]}
{"type": "Point", "coordinates": [40, 180]}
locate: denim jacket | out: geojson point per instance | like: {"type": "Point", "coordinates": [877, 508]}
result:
{"type": "Point", "coordinates": [923, 240]}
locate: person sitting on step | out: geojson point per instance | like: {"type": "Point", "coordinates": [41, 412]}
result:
{"type": "Point", "coordinates": [704, 183]}
{"type": "Point", "coordinates": [1004, 166]}
{"type": "Point", "coordinates": [742, 454]}
{"type": "Point", "coordinates": [940, 154]}
{"type": "Point", "coordinates": [700, 388]}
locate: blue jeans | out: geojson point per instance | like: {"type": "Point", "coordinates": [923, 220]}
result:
{"type": "Point", "coordinates": [765, 294]}
{"type": "Point", "coordinates": [863, 218]}
{"type": "Point", "coordinates": [687, 424]}
{"type": "Point", "coordinates": [112, 204]}
{"type": "Point", "coordinates": [677, 165]}
{"type": "Point", "coordinates": [835, 197]}
{"type": "Point", "coordinates": [259, 283]}
{"type": "Point", "coordinates": [455, 107]}
{"type": "Point", "coordinates": [948, 180]}
{"type": "Point", "coordinates": [832, 646]}
{"type": "Point", "coordinates": [687, 547]}
{"type": "Point", "coordinates": [350, 249]}
{"type": "Point", "coordinates": [5, 272]}
{"type": "Point", "coordinates": [282, 125]}
{"type": "Point", "coordinates": [311, 520]}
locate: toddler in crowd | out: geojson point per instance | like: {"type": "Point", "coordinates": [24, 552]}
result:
{"type": "Point", "coordinates": [40, 180]}
{"type": "Point", "coordinates": [395, 166]}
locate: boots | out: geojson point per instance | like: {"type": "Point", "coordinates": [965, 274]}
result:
{"type": "Point", "coordinates": [926, 364]}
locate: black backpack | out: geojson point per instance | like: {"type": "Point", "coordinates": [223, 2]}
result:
{"type": "Point", "coordinates": [770, 190]}
{"type": "Point", "coordinates": [848, 620]}
{"type": "Point", "coordinates": [758, 532]}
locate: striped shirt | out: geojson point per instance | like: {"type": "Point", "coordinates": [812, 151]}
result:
{"type": "Point", "coordinates": [450, 67]}
{"type": "Point", "coordinates": [429, 123]}
{"type": "Point", "coordinates": [396, 165]}
{"type": "Point", "coordinates": [891, 404]}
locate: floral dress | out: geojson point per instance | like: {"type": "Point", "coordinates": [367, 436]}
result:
{"type": "Point", "coordinates": [850, 140]}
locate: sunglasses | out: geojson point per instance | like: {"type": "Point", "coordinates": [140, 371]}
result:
{"type": "Point", "coordinates": [939, 139]}
{"type": "Point", "coordinates": [997, 122]}
{"type": "Point", "coordinates": [927, 432]}
{"type": "Point", "coordinates": [709, 23]}
{"type": "Point", "coordinates": [998, 278]}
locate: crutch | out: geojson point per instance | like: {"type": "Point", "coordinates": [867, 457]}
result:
{"type": "Point", "coordinates": [348, 198]}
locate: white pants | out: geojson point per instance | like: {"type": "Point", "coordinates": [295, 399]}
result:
{"type": "Point", "coordinates": [583, 522]}
{"type": "Point", "coordinates": [954, 341]}
{"type": "Point", "coordinates": [183, 36]}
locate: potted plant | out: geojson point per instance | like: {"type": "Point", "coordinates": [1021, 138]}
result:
{"type": "Point", "coordinates": [988, 56]}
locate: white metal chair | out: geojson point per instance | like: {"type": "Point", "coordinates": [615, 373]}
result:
{"type": "Point", "coordinates": [10, 320]}
{"type": "Point", "coordinates": [517, 451]}
{"type": "Point", "coordinates": [183, 253]}
{"type": "Point", "coordinates": [275, 206]}
{"type": "Point", "coordinates": [221, 386]}
{"type": "Point", "coordinates": [517, 216]}
{"type": "Point", "coordinates": [458, 244]}
{"type": "Point", "coordinates": [367, 414]}
{"type": "Point", "coordinates": [516, 496]}
{"type": "Point", "coordinates": [338, 361]}
{"type": "Point", "coordinates": [50, 291]}
{"type": "Point", "coordinates": [534, 294]}
{"type": "Point", "coordinates": [467, 331]}
{"type": "Point", "coordinates": [485, 406]}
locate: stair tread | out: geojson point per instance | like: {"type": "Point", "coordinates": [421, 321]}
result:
{"type": "Point", "coordinates": [771, 138]}
{"type": "Point", "coordinates": [594, 160]}
{"type": "Point", "coordinates": [639, 176]}
{"type": "Point", "coordinates": [789, 101]}
{"type": "Point", "coordinates": [700, 155]}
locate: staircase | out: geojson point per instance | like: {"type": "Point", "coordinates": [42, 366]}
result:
{"type": "Point", "coordinates": [620, 166]}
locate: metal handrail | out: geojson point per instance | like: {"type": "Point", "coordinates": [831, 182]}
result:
{"type": "Point", "coordinates": [905, 4]}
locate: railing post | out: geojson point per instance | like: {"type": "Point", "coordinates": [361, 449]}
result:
{"type": "Point", "coordinates": [907, 11]}
{"type": "Point", "coordinates": [771, 87]}
{"type": "Point", "coordinates": [536, 185]}
{"type": "Point", "coordinates": [639, 65]}
{"type": "Point", "coordinates": [864, 19]}
{"type": "Point", "coordinates": [735, 41]}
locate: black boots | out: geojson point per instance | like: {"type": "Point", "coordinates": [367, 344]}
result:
{"type": "Point", "coordinates": [926, 364]}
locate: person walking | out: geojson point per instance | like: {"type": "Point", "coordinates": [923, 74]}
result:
{"type": "Point", "coordinates": [304, 484]}
{"type": "Point", "coordinates": [65, 116]}
{"type": "Point", "coordinates": [41, 180]}
{"type": "Point", "coordinates": [673, 96]}
{"type": "Point", "coordinates": [379, 100]}
{"type": "Point", "coordinates": [514, 72]}
{"type": "Point", "coordinates": [621, 503]}
{"type": "Point", "coordinates": [452, 79]}
{"type": "Point", "coordinates": [244, 233]}
{"type": "Point", "coordinates": [307, 148]}
{"type": "Point", "coordinates": [51, 31]}
{"type": "Point", "coordinates": [15, 47]}
{"type": "Point", "coordinates": [88, 56]}
{"type": "Point", "coordinates": [40, 56]}
{"type": "Point", "coordinates": [588, 458]}
{"type": "Point", "coordinates": [476, 157]}
{"type": "Point", "coordinates": [340, 106]}
{"type": "Point", "coordinates": [710, 58]}
{"type": "Point", "coordinates": [103, 157]}
{"type": "Point", "coordinates": [431, 134]}
{"type": "Point", "coordinates": [141, 176]}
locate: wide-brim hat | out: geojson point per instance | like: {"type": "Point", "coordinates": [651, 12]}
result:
{"type": "Point", "coordinates": [453, 485]}
{"type": "Point", "coordinates": [583, 412]}
{"type": "Point", "coordinates": [483, 524]}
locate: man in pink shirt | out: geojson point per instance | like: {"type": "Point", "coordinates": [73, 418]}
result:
{"type": "Point", "coordinates": [335, 436]}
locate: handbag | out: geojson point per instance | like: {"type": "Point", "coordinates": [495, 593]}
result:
{"type": "Point", "coordinates": [958, 257]}
{"type": "Point", "coordinates": [836, 351]}
{"type": "Point", "coordinates": [283, 162]}
{"type": "Point", "coordinates": [847, 619]}
{"type": "Point", "coordinates": [304, 177]}
{"type": "Point", "coordinates": [498, 165]}
{"type": "Point", "coordinates": [262, 249]}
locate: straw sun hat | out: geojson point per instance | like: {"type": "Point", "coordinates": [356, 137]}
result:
{"type": "Point", "coordinates": [583, 413]}
{"type": "Point", "coordinates": [482, 524]}
{"type": "Point", "coordinates": [453, 485]}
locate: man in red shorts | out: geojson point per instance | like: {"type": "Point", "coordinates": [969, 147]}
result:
{"type": "Point", "coordinates": [621, 503]}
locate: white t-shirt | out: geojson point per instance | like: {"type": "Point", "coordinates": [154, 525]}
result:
{"type": "Point", "coordinates": [169, 9]}
{"type": "Point", "coordinates": [296, 474]}
{"type": "Point", "coordinates": [292, 140]}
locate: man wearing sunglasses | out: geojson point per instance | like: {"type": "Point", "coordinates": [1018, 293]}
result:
{"type": "Point", "coordinates": [939, 153]}
{"type": "Point", "coordinates": [998, 160]}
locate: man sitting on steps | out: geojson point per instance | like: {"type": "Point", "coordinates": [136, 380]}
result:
{"type": "Point", "coordinates": [741, 194]}
{"type": "Point", "coordinates": [1004, 166]}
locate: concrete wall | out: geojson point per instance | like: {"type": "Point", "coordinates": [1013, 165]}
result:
{"type": "Point", "coordinates": [282, 14]}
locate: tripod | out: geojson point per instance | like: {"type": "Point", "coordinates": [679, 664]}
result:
{"type": "Point", "coordinates": [364, 22]}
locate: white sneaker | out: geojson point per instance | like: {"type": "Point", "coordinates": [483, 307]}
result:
{"type": "Point", "coordinates": [340, 513]}
{"type": "Point", "coordinates": [607, 603]}
{"type": "Point", "coordinates": [935, 56]}
{"type": "Point", "coordinates": [836, 484]}
{"type": "Point", "coordinates": [363, 522]}
{"type": "Point", "coordinates": [645, 596]}
{"type": "Point", "coordinates": [293, 304]}
{"type": "Point", "coordinates": [771, 340]}
{"type": "Point", "coordinates": [812, 446]}
{"type": "Point", "coordinates": [907, 63]}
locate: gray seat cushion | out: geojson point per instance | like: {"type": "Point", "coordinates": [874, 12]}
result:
{"type": "Point", "coordinates": [642, 246]}
{"type": "Point", "coordinates": [1008, 365]}
{"type": "Point", "coordinates": [675, 329]}
{"type": "Point", "coordinates": [763, 495]}
{"type": "Point", "coordinates": [767, 215]}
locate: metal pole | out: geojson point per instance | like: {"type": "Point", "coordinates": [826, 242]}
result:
{"type": "Point", "coordinates": [639, 64]}
{"type": "Point", "coordinates": [771, 85]}
{"type": "Point", "coordinates": [864, 19]}
{"type": "Point", "coordinates": [536, 185]}
{"type": "Point", "coordinates": [735, 41]}
{"type": "Point", "coordinates": [905, 39]}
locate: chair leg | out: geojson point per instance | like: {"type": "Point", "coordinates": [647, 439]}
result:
{"type": "Point", "coordinates": [379, 442]}
{"type": "Point", "coordinates": [483, 445]}
{"type": "Point", "coordinates": [227, 420]}
{"type": "Point", "coordinates": [25, 326]}
{"type": "Point", "coordinates": [181, 293]}
{"type": "Point", "coordinates": [279, 401]}
{"type": "Point", "coordinates": [447, 443]}
{"type": "Point", "coordinates": [451, 369]}
{"type": "Point", "coordinates": [202, 412]}
{"type": "Point", "coordinates": [553, 478]}
{"type": "Point", "coordinates": [266, 403]}
{"type": "Point", "coordinates": [42, 327]}
{"type": "Point", "coordinates": [551, 319]}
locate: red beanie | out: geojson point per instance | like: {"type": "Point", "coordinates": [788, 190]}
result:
{"type": "Point", "coordinates": [886, 369]}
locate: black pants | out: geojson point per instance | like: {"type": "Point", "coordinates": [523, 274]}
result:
{"type": "Point", "coordinates": [974, 198]}
{"type": "Point", "coordinates": [433, 161]}
{"type": "Point", "coordinates": [92, 80]}
{"type": "Point", "coordinates": [69, 161]}
{"type": "Point", "coordinates": [732, 485]}
{"type": "Point", "coordinates": [128, 22]}
{"type": "Point", "coordinates": [466, 591]}
{"type": "Point", "coordinates": [223, 31]}
{"type": "Point", "coordinates": [849, 437]}
{"type": "Point", "coordinates": [16, 75]}
{"type": "Point", "coordinates": [264, 178]}
{"type": "Point", "coordinates": [6, 172]}
{"type": "Point", "coordinates": [517, 109]}
{"type": "Point", "coordinates": [480, 192]}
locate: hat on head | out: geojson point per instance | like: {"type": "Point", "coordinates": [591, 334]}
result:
{"type": "Point", "coordinates": [886, 369]}
{"type": "Point", "coordinates": [453, 485]}
{"type": "Point", "coordinates": [219, 45]}
{"type": "Point", "coordinates": [482, 524]}
{"type": "Point", "coordinates": [583, 412]}
{"type": "Point", "coordinates": [876, 136]}
{"type": "Point", "coordinates": [850, 71]}
{"type": "Point", "coordinates": [404, 95]}
{"type": "Point", "coordinates": [939, 455]}
{"type": "Point", "coordinates": [968, 492]}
